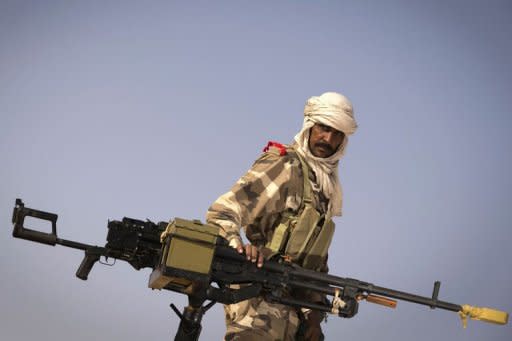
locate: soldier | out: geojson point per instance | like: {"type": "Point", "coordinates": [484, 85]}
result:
{"type": "Point", "coordinates": [285, 203]}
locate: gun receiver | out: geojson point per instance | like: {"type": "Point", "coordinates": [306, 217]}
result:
{"type": "Point", "coordinates": [191, 258]}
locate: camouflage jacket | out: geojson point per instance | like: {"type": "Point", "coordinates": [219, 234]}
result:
{"type": "Point", "coordinates": [272, 186]}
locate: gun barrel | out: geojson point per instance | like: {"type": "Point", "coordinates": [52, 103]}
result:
{"type": "Point", "coordinates": [373, 289]}
{"type": "Point", "coordinates": [325, 283]}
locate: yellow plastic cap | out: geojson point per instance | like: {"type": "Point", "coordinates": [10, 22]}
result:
{"type": "Point", "coordinates": [483, 314]}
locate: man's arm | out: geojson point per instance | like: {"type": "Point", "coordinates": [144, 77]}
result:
{"type": "Point", "coordinates": [261, 191]}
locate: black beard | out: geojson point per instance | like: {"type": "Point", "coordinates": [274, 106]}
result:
{"type": "Point", "coordinates": [325, 146]}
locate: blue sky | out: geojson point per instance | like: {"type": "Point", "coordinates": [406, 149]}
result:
{"type": "Point", "coordinates": [154, 110]}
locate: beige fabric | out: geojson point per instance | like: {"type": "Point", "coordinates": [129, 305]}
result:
{"type": "Point", "coordinates": [334, 110]}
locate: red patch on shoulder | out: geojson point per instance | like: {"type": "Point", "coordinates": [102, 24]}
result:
{"type": "Point", "coordinates": [279, 146]}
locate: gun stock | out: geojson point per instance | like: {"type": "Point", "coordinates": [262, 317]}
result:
{"type": "Point", "coordinates": [20, 231]}
{"type": "Point", "coordinates": [131, 240]}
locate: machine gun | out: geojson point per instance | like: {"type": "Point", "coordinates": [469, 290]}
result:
{"type": "Point", "coordinates": [191, 258]}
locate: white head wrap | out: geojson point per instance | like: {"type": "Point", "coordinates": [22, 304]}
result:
{"type": "Point", "coordinates": [334, 110]}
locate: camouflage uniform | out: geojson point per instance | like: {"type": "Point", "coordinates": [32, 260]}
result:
{"type": "Point", "coordinates": [272, 186]}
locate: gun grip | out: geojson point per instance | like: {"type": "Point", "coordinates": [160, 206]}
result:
{"type": "Point", "coordinates": [86, 265]}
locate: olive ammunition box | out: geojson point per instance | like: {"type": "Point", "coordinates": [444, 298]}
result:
{"type": "Point", "coordinates": [187, 253]}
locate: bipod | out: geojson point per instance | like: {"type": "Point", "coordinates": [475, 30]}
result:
{"type": "Point", "coordinates": [190, 320]}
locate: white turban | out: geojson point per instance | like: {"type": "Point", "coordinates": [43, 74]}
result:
{"type": "Point", "coordinates": [334, 110]}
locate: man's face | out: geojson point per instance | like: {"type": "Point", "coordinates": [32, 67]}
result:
{"type": "Point", "coordinates": [324, 140]}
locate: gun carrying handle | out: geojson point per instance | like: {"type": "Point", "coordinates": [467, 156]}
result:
{"type": "Point", "coordinates": [19, 231]}
{"type": "Point", "coordinates": [87, 264]}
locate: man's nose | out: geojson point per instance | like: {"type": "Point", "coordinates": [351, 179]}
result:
{"type": "Point", "coordinates": [328, 136]}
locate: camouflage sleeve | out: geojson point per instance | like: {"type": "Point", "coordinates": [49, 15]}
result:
{"type": "Point", "coordinates": [261, 191]}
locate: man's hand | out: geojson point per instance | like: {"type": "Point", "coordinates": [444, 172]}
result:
{"type": "Point", "coordinates": [252, 252]}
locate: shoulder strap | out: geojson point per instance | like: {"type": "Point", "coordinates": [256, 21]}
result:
{"type": "Point", "coordinates": [307, 197]}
